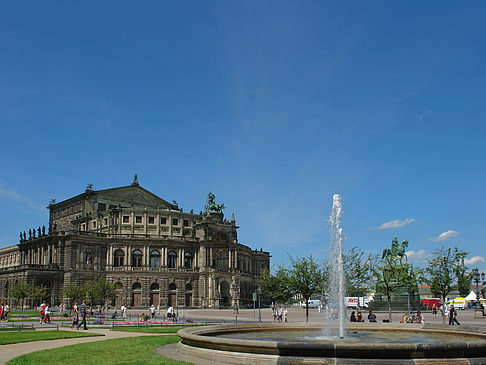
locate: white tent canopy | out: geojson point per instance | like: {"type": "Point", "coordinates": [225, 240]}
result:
{"type": "Point", "coordinates": [471, 296]}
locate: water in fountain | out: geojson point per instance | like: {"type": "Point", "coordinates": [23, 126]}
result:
{"type": "Point", "coordinates": [336, 289]}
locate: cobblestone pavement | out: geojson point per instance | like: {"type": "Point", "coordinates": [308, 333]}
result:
{"type": "Point", "coordinates": [298, 315]}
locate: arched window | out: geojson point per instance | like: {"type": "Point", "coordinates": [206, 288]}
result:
{"type": "Point", "coordinates": [137, 286]}
{"type": "Point", "coordinates": [172, 260]}
{"type": "Point", "coordinates": [155, 258]}
{"type": "Point", "coordinates": [137, 258]}
{"type": "Point", "coordinates": [154, 287]}
{"type": "Point", "coordinates": [188, 260]}
{"type": "Point", "coordinates": [172, 286]}
{"type": "Point", "coordinates": [188, 287]}
{"type": "Point", "coordinates": [119, 258]}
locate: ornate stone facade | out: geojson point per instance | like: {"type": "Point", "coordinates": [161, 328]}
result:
{"type": "Point", "coordinates": [151, 249]}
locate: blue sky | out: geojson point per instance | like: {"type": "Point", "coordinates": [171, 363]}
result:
{"type": "Point", "coordinates": [273, 106]}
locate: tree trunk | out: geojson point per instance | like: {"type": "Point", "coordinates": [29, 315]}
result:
{"type": "Point", "coordinates": [388, 297]}
{"type": "Point", "coordinates": [307, 309]}
{"type": "Point", "coordinates": [443, 309]}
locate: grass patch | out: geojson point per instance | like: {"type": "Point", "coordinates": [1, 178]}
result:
{"type": "Point", "coordinates": [28, 336]}
{"type": "Point", "coordinates": [135, 350]}
{"type": "Point", "coordinates": [17, 329]}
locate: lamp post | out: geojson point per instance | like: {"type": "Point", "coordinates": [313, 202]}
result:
{"type": "Point", "coordinates": [259, 292]}
{"type": "Point", "coordinates": [177, 308]}
{"type": "Point", "coordinates": [476, 277]}
{"type": "Point", "coordinates": [235, 294]}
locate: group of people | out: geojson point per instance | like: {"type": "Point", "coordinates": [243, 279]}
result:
{"type": "Point", "coordinates": [4, 309]}
{"type": "Point", "coordinates": [357, 317]}
{"type": "Point", "coordinates": [280, 314]}
{"type": "Point", "coordinates": [413, 318]}
{"type": "Point", "coordinates": [45, 313]}
{"type": "Point", "coordinates": [80, 311]}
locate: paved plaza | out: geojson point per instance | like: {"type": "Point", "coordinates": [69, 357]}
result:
{"type": "Point", "coordinates": [295, 314]}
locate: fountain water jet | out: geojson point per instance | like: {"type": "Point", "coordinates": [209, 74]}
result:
{"type": "Point", "coordinates": [336, 291]}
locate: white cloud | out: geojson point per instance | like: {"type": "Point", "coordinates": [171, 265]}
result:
{"type": "Point", "coordinates": [445, 236]}
{"type": "Point", "coordinates": [423, 115]}
{"type": "Point", "coordinates": [474, 260]}
{"type": "Point", "coordinates": [25, 202]}
{"type": "Point", "coordinates": [397, 223]}
{"type": "Point", "coordinates": [418, 257]}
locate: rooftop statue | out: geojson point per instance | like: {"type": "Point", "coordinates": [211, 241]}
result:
{"type": "Point", "coordinates": [211, 206]}
{"type": "Point", "coordinates": [396, 249]}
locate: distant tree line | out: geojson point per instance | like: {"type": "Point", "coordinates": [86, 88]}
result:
{"type": "Point", "coordinates": [97, 291]}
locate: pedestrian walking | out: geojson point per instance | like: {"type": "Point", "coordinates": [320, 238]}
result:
{"type": "Point", "coordinates": [286, 314]}
{"type": "Point", "coordinates": [83, 311]}
{"type": "Point", "coordinates": [453, 316]}
{"type": "Point", "coordinates": [152, 311]}
{"type": "Point", "coordinates": [434, 310]}
{"type": "Point", "coordinates": [75, 314]}
{"type": "Point", "coordinates": [42, 312]}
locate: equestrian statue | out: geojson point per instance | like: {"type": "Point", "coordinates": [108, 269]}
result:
{"type": "Point", "coordinates": [396, 249]}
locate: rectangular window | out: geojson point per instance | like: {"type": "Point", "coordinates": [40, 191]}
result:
{"type": "Point", "coordinates": [186, 222]}
{"type": "Point", "coordinates": [126, 219]}
{"type": "Point", "coordinates": [106, 221]}
{"type": "Point", "coordinates": [94, 224]}
{"type": "Point", "coordinates": [163, 220]}
{"type": "Point", "coordinates": [151, 220]}
{"type": "Point", "coordinates": [138, 219]}
{"type": "Point", "coordinates": [175, 221]}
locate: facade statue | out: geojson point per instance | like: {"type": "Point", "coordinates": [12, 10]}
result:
{"type": "Point", "coordinates": [30, 234]}
{"type": "Point", "coordinates": [33, 233]}
{"type": "Point", "coordinates": [211, 206]}
{"type": "Point", "coordinates": [25, 236]}
{"type": "Point", "coordinates": [396, 249]}
{"type": "Point", "coordinates": [39, 232]}
{"type": "Point", "coordinates": [43, 230]}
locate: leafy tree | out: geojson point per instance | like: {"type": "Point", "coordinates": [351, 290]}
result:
{"type": "Point", "coordinates": [38, 293]}
{"type": "Point", "coordinates": [359, 273]}
{"type": "Point", "coordinates": [390, 274]}
{"type": "Point", "coordinates": [276, 286]}
{"type": "Point", "coordinates": [21, 291]}
{"type": "Point", "coordinates": [306, 278]}
{"type": "Point", "coordinates": [443, 271]}
{"type": "Point", "coordinates": [464, 279]}
{"type": "Point", "coordinates": [74, 291]}
{"type": "Point", "coordinates": [99, 290]}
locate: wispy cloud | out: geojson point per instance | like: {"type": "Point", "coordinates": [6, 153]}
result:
{"type": "Point", "coordinates": [445, 236]}
{"type": "Point", "coordinates": [397, 223]}
{"type": "Point", "coordinates": [26, 203]}
{"type": "Point", "coordinates": [417, 257]}
{"type": "Point", "coordinates": [474, 260]}
{"type": "Point", "coordinates": [423, 115]}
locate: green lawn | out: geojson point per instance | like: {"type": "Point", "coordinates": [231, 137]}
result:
{"type": "Point", "coordinates": [9, 329]}
{"type": "Point", "coordinates": [135, 350]}
{"type": "Point", "coordinates": [28, 336]}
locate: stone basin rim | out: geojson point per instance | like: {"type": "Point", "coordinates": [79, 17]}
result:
{"type": "Point", "coordinates": [200, 338]}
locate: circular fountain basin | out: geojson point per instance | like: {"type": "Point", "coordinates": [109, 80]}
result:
{"type": "Point", "coordinates": [304, 343]}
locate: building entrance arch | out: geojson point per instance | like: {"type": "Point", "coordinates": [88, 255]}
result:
{"type": "Point", "coordinates": [224, 290]}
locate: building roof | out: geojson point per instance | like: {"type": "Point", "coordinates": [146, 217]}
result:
{"type": "Point", "coordinates": [129, 195]}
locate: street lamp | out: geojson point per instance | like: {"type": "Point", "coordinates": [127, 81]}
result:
{"type": "Point", "coordinates": [259, 292]}
{"type": "Point", "coordinates": [476, 277]}
{"type": "Point", "coordinates": [235, 293]}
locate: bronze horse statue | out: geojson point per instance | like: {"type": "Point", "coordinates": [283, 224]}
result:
{"type": "Point", "coordinates": [396, 249]}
